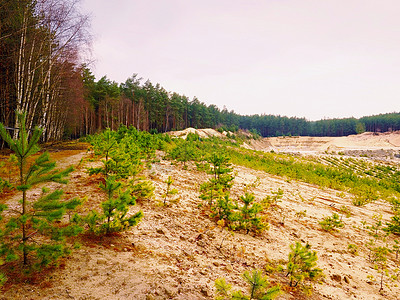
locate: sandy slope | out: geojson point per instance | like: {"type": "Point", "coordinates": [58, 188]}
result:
{"type": "Point", "coordinates": [174, 252]}
{"type": "Point", "coordinates": [382, 144]}
{"type": "Point", "coordinates": [365, 141]}
{"type": "Point", "coordinates": [203, 133]}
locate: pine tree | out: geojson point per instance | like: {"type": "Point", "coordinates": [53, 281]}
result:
{"type": "Point", "coordinates": [332, 223]}
{"type": "Point", "coordinates": [258, 288]}
{"type": "Point", "coordinates": [247, 215]}
{"type": "Point", "coordinates": [223, 209]}
{"type": "Point", "coordinates": [115, 208]}
{"type": "Point", "coordinates": [381, 265]}
{"type": "Point", "coordinates": [169, 191]}
{"type": "Point", "coordinates": [38, 217]}
{"type": "Point", "coordinates": [394, 225]}
{"type": "Point", "coordinates": [184, 151]}
{"type": "Point", "coordinates": [302, 264]}
{"type": "Point", "coordinates": [103, 144]}
{"type": "Point", "coordinates": [218, 186]}
{"type": "Point", "coordinates": [221, 168]}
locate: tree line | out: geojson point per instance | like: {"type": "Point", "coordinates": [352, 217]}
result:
{"type": "Point", "coordinates": [151, 107]}
{"type": "Point", "coordinates": [42, 75]}
{"type": "Point", "coordinates": [270, 125]}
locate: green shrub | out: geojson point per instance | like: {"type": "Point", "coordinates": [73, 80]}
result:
{"type": "Point", "coordinates": [217, 186]}
{"type": "Point", "coordinates": [3, 279]}
{"type": "Point", "coordinates": [184, 151]}
{"type": "Point", "coordinates": [275, 198]}
{"type": "Point", "coordinates": [394, 225]}
{"type": "Point", "coordinates": [353, 249]}
{"type": "Point", "coordinates": [247, 216]}
{"type": "Point", "coordinates": [5, 185]}
{"type": "Point", "coordinates": [223, 209]}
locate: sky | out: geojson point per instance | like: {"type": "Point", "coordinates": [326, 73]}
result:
{"type": "Point", "coordinates": [306, 58]}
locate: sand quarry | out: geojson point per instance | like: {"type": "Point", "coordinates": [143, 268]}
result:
{"type": "Point", "coordinates": [175, 252]}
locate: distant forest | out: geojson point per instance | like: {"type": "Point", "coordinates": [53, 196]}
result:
{"type": "Point", "coordinates": [150, 107]}
{"type": "Point", "coordinates": [41, 74]}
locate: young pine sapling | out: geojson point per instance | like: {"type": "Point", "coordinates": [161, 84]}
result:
{"type": "Point", "coordinates": [258, 288]}
{"type": "Point", "coordinates": [169, 192]}
{"type": "Point", "coordinates": [332, 223]}
{"type": "Point", "coordinates": [32, 229]}
{"type": "Point", "coordinates": [218, 186]}
{"type": "Point", "coordinates": [115, 208]}
{"type": "Point", "coordinates": [247, 215]}
{"type": "Point", "coordinates": [302, 264]}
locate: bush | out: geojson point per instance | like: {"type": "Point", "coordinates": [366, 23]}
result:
{"type": "Point", "coordinates": [169, 192]}
{"type": "Point", "coordinates": [394, 225]}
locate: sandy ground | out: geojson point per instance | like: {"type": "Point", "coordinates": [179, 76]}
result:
{"type": "Point", "coordinates": [365, 141]}
{"type": "Point", "coordinates": [175, 252]}
{"type": "Point", "coordinates": [380, 145]}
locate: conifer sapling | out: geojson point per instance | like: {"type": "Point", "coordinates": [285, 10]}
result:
{"type": "Point", "coordinates": [115, 208]}
{"type": "Point", "coordinates": [258, 288]}
{"type": "Point", "coordinates": [38, 217]}
{"type": "Point", "coordinates": [302, 264]}
{"type": "Point", "coordinates": [169, 191]}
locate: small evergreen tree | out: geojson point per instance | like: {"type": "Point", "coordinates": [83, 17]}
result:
{"type": "Point", "coordinates": [221, 168]}
{"type": "Point", "coordinates": [121, 165]}
{"type": "Point", "coordinates": [223, 210]}
{"type": "Point", "coordinates": [247, 215]}
{"type": "Point", "coordinates": [184, 151]}
{"type": "Point", "coordinates": [103, 144]}
{"type": "Point", "coordinates": [169, 191]}
{"type": "Point", "coordinates": [332, 223]}
{"type": "Point", "coordinates": [380, 263]}
{"type": "Point", "coordinates": [115, 208]}
{"type": "Point", "coordinates": [394, 225]}
{"type": "Point", "coordinates": [210, 191]}
{"type": "Point", "coordinates": [141, 190]}
{"type": "Point", "coordinates": [218, 186]}
{"type": "Point", "coordinates": [3, 279]}
{"type": "Point", "coordinates": [302, 264]}
{"type": "Point", "coordinates": [275, 198]}
{"type": "Point", "coordinates": [18, 236]}
{"type": "Point", "coordinates": [258, 288]}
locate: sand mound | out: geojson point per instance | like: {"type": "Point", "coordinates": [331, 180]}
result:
{"type": "Point", "coordinates": [203, 133]}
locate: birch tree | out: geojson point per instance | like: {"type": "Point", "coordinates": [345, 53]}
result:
{"type": "Point", "coordinates": [46, 37]}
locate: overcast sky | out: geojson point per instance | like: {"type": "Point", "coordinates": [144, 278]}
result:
{"type": "Point", "coordinates": [306, 58]}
